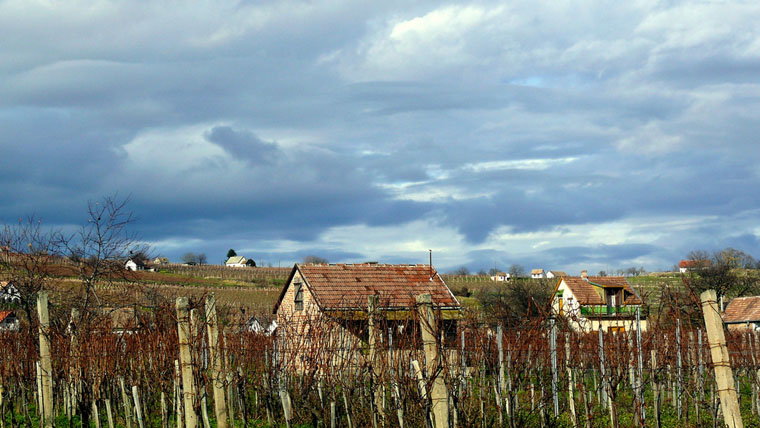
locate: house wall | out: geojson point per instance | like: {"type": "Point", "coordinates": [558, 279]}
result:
{"type": "Point", "coordinates": [743, 326]}
{"type": "Point", "coordinates": [568, 308]}
{"type": "Point", "coordinates": [287, 309]}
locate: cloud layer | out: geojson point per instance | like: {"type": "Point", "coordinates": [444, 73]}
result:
{"type": "Point", "coordinates": [555, 135]}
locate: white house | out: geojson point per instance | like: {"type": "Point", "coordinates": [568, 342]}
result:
{"type": "Point", "coordinates": [537, 273]}
{"type": "Point", "coordinates": [236, 261]}
{"type": "Point", "coordinates": [555, 274]}
{"type": "Point", "coordinates": [9, 293]}
{"type": "Point", "coordinates": [134, 265]}
{"type": "Point", "coordinates": [255, 326]}
{"type": "Point", "coordinates": [501, 276]}
{"type": "Point", "coordinates": [590, 303]}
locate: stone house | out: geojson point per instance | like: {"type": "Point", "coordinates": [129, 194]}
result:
{"type": "Point", "coordinates": [743, 313]}
{"type": "Point", "coordinates": [593, 302]}
{"type": "Point", "coordinates": [325, 306]}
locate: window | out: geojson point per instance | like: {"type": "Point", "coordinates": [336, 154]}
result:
{"type": "Point", "coordinates": [298, 300]}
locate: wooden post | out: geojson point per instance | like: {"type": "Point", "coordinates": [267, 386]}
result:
{"type": "Point", "coordinates": [178, 396]}
{"type": "Point", "coordinates": [96, 413]}
{"type": "Point", "coordinates": [570, 382]}
{"type": "Point", "coordinates": [605, 382]}
{"type": "Point", "coordinates": [679, 373]}
{"type": "Point", "coordinates": [183, 328]}
{"type": "Point", "coordinates": [2, 407]}
{"type": "Point", "coordinates": [373, 337]}
{"type": "Point", "coordinates": [723, 375]}
{"type": "Point", "coordinates": [602, 374]}
{"type": "Point", "coordinates": [46, 367]}
{"type": "Point", "coordinates": [553, 350]}
{"type": "Point", "coordinates": [125, 401]}
{"type": "Point", "coordinates": [438, 396]}
{"type": "Point", "coordinates": [640, 371]}
{"type": "Point", "coordinates": [217, 375]}
{"type": "Point", "coordinates": [109, 413]}
{"type": "Point", "coordinates": [138, 406]}
{"type": "Point", "coordinates": [38, 378]}
{"type": "Point", "coordinates": [417, 373]}
{"type": "Point", "coordinates": [655, 388]}
{"type": "Point", "coordinates": [501, 383]}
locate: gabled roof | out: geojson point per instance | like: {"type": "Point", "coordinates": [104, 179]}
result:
{"type": "Point", "coordinates": [586, 291]}
{"type": "Point", "coordinates": [536, 271]}
{"type": "Point", "coordinates": [235, 260]}
{"type": "Point", "coordinates": [137, 262]}
{"type": "Point", "coordinates": [742, 309]}
{"type": "Point", "coordinates": [692, 263]}
{"type": "Point", "coordinates": [558, 273]}
{"type": "Point", "coordinates": [347, 286]}
{"type": "Point", "coordinates": [6, 314]}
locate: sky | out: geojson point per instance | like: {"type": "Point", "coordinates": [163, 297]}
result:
{"type": "Point", "coordinates": [552, 134]}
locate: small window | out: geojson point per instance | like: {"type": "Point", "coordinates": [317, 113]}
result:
{"type": "Point", "coordinates": [298, 300]}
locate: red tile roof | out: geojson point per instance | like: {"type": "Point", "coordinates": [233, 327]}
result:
{"type": "Point", "coordinates": [742, 309]}
{"type": "Point", "coordinates": [4, 315]}
{"type": "Point", "coordinates": [586, 294]}
{"type": "Point", "coordinates": [347, 286]}
{"type": "Point", "coordinates": [693, 263]}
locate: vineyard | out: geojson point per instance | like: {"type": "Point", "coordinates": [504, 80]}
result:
{"type": "Point", "coordinates": [256, 275]}
{"type": "Point", "coordinates": [179, 366]}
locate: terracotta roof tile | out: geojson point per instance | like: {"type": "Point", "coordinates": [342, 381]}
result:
{"type": "Point", "coordinates": [742, 309]}
{"type": "Point", "coordinates": [344, 286]}
{"type": "Point", "coordinates": [586, 294]}
{"type": "Point", "coordinates": [4, 315]}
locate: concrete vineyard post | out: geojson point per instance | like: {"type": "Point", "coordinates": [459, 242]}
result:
{"type": "Point", "coordinates": [46, 367]}
{"type": "Point", "coordinates": [438, 395]}
{"type": "Point", "coordinates": [217, 375]}
{"type": "Point", "coordinates": [183, 329]}
{"type": "Point", "coordinates": [724, 377]}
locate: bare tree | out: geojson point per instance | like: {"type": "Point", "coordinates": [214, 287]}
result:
{"type": "Point", "coordinates": [719, 272]}
{"type": "Point", "coordinates": [28, 257]}
{"type": "Point", "coordinates": [314, 259]}
{"type": "Point", "coordinates": [101, 247]}
{"type": "Point", "coordinates": [516, 271]}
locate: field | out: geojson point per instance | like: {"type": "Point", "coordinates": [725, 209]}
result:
{"type": "Point", "coordinates": [492, 376]}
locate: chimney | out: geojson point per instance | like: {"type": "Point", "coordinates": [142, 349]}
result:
{"type": "Point", "coordinates": [584, 274]}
